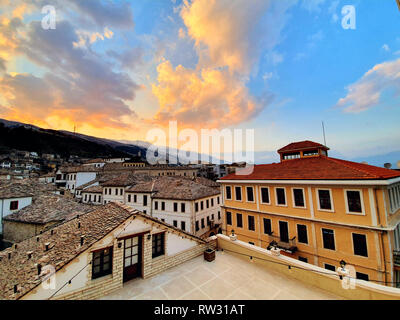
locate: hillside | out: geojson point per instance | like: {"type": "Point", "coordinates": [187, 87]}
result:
{"type": "Point", "coordinates": [14, 135]}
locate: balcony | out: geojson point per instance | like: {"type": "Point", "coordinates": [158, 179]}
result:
{"type": "Point", "coordinates": [288, 246]}
{"type": "Point", "coordinates": [396, 258]}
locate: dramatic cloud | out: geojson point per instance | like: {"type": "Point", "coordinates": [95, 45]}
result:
{"type": "Point", "coordinates": [212, 97]}
{"type": "Point", "coordinates": [81, 87]}
{"type": "Point", "coordinates": [367, 92]}
{"type": "Point", "coordinates": [228, 38]}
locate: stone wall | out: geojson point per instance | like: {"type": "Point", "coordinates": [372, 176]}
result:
{"type": "Point", "coordinates": [18, 231]}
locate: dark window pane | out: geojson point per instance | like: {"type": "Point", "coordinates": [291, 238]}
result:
{"type": "Point", "coordinates": [298, 197]}
{"type": "Point", "coordinates": [228, 192]}
{"type": "Point", "coordinates": [302, 233]}
{"type": "Point", "coordinates": [229, 218]}
{"type": "Point", "coordinates": [267, 226]}
{"type": "Point", "coordinates": [280, 192]}
{"type": "Point", "coordinates": [158, 244]}
{"type": "Point", "coordinates": [239, 220]}
{"type": "Point", "coordinates": [238, 193]}
{"type": "Point", "coordinates": [328, 239]}
{"type": "Point", "coordinates": [330, 267]}
{"type": "Point", "coordinates": [362, 276]}
{"type": "Point", "coordinates": [324, 200]}
{"type": "Point", "coordinates": [265, 195]}
{"type": "Point", "coordinates": [250, 195]}
{"type": "Point", "coordinates": [354, 201]}
{"type": "Point", "coordinates": [251, 223]}
{"type": "Point", "coordinates": [360, 244]}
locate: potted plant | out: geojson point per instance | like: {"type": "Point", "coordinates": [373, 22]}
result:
{"type": "Point", "coordinates": [209, 254]}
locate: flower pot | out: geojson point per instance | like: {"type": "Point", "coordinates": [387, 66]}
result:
{"type": "Point", "coordinates": [209, 255]}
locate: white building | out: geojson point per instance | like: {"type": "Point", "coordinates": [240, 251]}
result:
{"type": "Point", "coordinates": [192, 205]}
{"type": "Point", "coordinates": [12, 199]}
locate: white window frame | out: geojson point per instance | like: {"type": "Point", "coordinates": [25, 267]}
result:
{"type": "Point", "coordinates": [254, 195]}
{"type": "Point", "coordinates": [362, 213]}
{"type": "Point", "coordinates": [331, 198]}
{"type": "Point", "coordinates": [276, 197]}
{"type": "Point", "coordinates": [304, 198]}
{"type": "Point", "coordinates": [269, 195]}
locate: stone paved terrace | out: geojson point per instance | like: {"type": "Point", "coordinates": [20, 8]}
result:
{"type": "Point", "coordinates": [227, 277]}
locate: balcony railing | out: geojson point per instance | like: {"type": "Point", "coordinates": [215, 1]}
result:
{"type": "Point", "coordinates": [288, 246]}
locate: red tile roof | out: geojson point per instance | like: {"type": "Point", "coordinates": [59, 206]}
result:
{"type": "Point", "coordinates": [316, 168]}
{"type": "Point", "coordinates": [296, 146]}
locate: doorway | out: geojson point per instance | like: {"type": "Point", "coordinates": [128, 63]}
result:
{"type": "Point", "coordinates": [132, 258]}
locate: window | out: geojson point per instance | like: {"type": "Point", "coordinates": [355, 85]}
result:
{"type": "Point", "coordinates": [252, 243]}
{"type": "Point", "coordinates": [116, 192]}
{"type": "Point", "coordinates": [250, 194]}
{"type": "Point", "coordinates": [302, 233]}
{"type": "Point", "coordinates": [158, 244]}
{"type": "Point", "coordinates": [251, 223]}
{"type": "Point", "coordinates": [264, 195]}
{"type": "Point", "coordinates": [354, 201]}
{"type": "Point", "coordinates": [155, 205]}
{"type": "Point", "coordinates": [303, 259]}
{"type": "Point", "coordinates": [228, 192]}
{"type": "Point", "coordinates": [217, 200]}
{"type": "Point", "coordinates": [196, 207]}
{"type": "Point", "coordinates": [362, 276]}
{"type": "Point", "coordinates": [212, 202]}
{"type": "Point", "coordinates": [360, 244]}
{"type": "Point", "coordinates": [183, 207]}
{"type": "Point", "coordinates": [129, 198]}
{"type": "Point", "coordinates": [325, 200]}
{"type": "Point", "coordinates": [239, 220]}
{"type": "Point", "coordinates": [162, 205]}
{"type": "Point", "coordinates": [228, 218]}
{"type": "Point", "coordinates": [330, 267]}
{"type": "Point", "coordinates": [280, 196]}
{"type": "Point", "coordinates": [183, 225]}
{"type": "Point", "coordinates": [267, 226]}
{"type": "Point", "coordinates": [238, 193]}
{"type": "Point", "coordinates": [13, 205]}
{"type": "Point", "coordinates": [105, 191]}
{"type": "Point", "coordinates": [197, 226]}
{"type": "Point", "coordinates": [145, 200]}
{"type": "Point", "coordinates": [328, 238]}
{"type": "Point", "coordinates": [201, 205]}
{"type": "Point", "coordinates": [202, 223]}
{"type": "Point", "coordinates": [175, 223]}
{"type": "Point", "coordinates": [175, 207]}
{"type": "Point", "coordinates": [102, 263]}
{"type": "Point", "coordinates": [121, 191]}
{"type": "Point", "coordinates": [298, 197]}
{"type": "Point", "coordinates": [207, 203]}
{"type": "Point", "coordinates": [208, 220]}
{"type": "Point", "coordinates": [219, 215]}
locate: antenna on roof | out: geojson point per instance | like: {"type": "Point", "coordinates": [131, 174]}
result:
{"type": "Point", "coordinates": [323, 131]}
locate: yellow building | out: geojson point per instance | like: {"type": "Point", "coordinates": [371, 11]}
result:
{"type": "Point", "coordinates": [320, 210]}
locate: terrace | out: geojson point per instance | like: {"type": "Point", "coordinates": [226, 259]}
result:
{"type": "Point", "coordinates": [228, 277]}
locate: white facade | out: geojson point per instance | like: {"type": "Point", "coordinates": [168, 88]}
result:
{"type": "Point", "coordinates": [113, 194]}
{"type": "Point", "coordinates": [179, 213]}
{"type": "Point", "coordinates": [92, 197]}
{"type": "Point", "coordinates": [74, 180]}
{"type": "Point", "coordinates": [6, 206]}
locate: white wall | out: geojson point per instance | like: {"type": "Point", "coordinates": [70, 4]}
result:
{"type": "Point", "coordinates": [5, 207]}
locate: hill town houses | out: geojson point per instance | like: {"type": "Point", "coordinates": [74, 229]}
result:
{"type": "Point", "coordinates": [122, 229]}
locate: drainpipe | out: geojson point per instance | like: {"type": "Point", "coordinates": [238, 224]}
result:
{"type": "Point", "coordinates": [380, 234]}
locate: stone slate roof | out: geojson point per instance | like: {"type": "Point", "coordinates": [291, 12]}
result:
{"type": "Point", "coordinates": [64, 247]}
{"type": "Point", "coordinates": [25, 188]}
{"type": "Point", "coordinates": [174, 187]}
{"type": "Point", "coordinates": [126, 179]}
{"type": "Point", "coordinates": [49, 208]}
{"type": "Point", "coordinates": [93, 189]}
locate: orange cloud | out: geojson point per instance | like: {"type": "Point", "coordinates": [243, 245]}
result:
{"type": "Point", "coordinates": [211, 98]}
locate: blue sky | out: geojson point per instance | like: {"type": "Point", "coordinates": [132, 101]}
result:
{"type": "Point", "coordinates": [117, 69]}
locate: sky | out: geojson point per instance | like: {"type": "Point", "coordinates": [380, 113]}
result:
{"type": "Point", "coordinates": [119, 69]}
